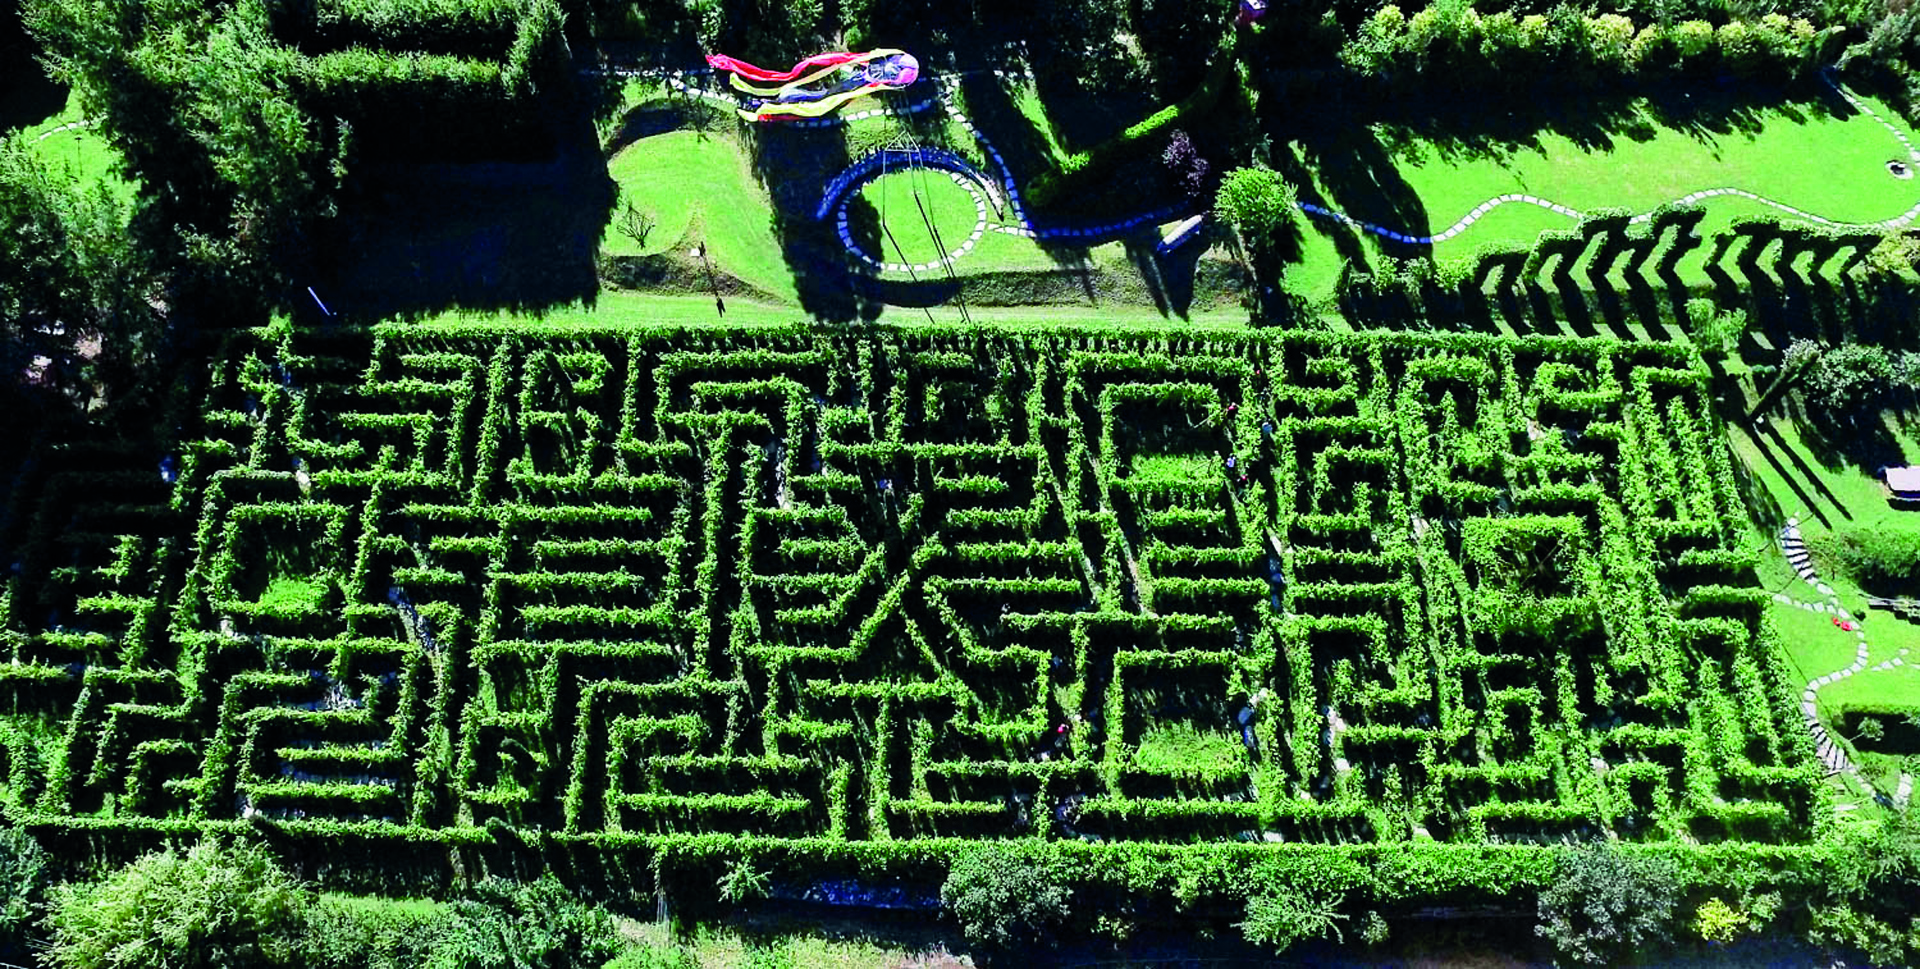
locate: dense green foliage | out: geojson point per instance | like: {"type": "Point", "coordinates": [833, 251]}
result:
{"type": "Point", "coordinates": [73, 285]}
{"type": "Point", "coordinates": [539, 925]}
{"type": "Point", "coordinates": [1281, 917]}
{"type": "Point", "coordinates": [244, 122]}
{"type": "Point", "coordinates": [1605, 906]}
{"type": "Point", "coordinates": [235, 906]}
{"type": "Point", "coordinates": [1007, 899]}
{"type": "Point", "coordinates": [1884, 560]}
{"type": "Point", "coordinates": [745, 608]}
{"type": "Point", "coordinates": [23, 887]}
{"type": "Point", "coordinates": [213, 906]}
{"type": "Point", "coordinates": [1294, 628]}
{"type": "Point", "coordinates": [344, 932]}
{"type": "Point", "coordinates": [1258, 204]}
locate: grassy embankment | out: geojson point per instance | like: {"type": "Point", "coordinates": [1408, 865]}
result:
{"type": "Point", "coordinates": [1790, 479]}
{"type": "Point", "coordinates": [1831, 163]}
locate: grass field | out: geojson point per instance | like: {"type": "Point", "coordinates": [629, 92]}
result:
{"type": "Point", "coordinates": [903, 197]}
{"type": "Point", "coordinates": [1788, 480]}
{"type": "Point", "coordinates": [698, 189]}
{"type": "Point", "coordinates": [80, 152]}
{"type": "Point", "coordinates": [1810, 156]}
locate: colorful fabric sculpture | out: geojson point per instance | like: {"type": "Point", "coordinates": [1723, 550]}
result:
{"type": "Point", "coordinates": [819, 85]}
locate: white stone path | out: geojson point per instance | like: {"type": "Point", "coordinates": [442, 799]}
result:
{"type": "Point", "coordinates": [1024, 226]}
{"type": "Point", "coordinates": [1897, 222]}
{"type": "Point", "coordinates": [69, 126]}
{"type": "Point", "coordinates": [1830, 753]}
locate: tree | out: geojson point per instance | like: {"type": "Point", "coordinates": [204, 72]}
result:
{"type": "Point", "coordinates": [1007, 897]}
{"type": "Point", "coordinates": [1880, 559]}
{"type": "Point", "coordinates": [1716, 332]}
{"type": "Point", "coordinates": [636, 224]}
{"type": "Point", "coordinates": [214, 906]}
{"type": "Point", "coordinates": [1604, 905]}
{"type": "Point", "coordinates": [74, 288]}
{"type": "Point", "coordinates": [1869, 897]}
{"type": "Point", "coordinates": [1870, 730]}
{"type": "Point", "coordinates": [1185, 163]}
{"type": "Point", "coordinates": [1258, 204]}
{"type": "Point", "coordinates": [1281, 915]}
{"type": "Point", "coordinates": [1849, 379]}
{"type": "Point", "coordinates": [1799, 356]}
{"type": "Point", "coordinates": [742, 882]}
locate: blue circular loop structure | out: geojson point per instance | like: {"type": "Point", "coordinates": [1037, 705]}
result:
{"type": "Point", "coordinates": [888, 159]}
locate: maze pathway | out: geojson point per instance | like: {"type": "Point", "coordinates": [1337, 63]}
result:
{"type": "Point", "coordinates": [633, 584]}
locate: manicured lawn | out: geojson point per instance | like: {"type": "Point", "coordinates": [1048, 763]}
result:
{"type": "Point", "coordinates": [906, 200]}
{"type": "Point", "coordinates": [1799, 154]}
{"type": "Point", "coordinates": [80, 152]}
{"type": "Point", "coordinates": [699, 189]}
{"type": "Point", "coordinates": [1814, 645]}
{"type": "Point", "coordinates": [1789, 481]}
{"type": "Point", "coordinates": [1792, 478]}
{"type": "Point", "coordinates": [1834, 167]}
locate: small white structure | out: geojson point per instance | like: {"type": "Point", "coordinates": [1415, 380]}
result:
{"type": "Point", "coordinates": [1903, 482]}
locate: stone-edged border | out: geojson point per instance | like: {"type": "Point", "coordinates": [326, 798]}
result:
{"type": "Point", "coordinates": [1480, 211]}
{"type": "Point", "coordinates": [1830, 753]}
{"type": "Point", "coordinates": [69, 126]}
{"type": "Point", "coordinates": [844, 228]}
{"type": "Point", "coordinates": [1023, 226]}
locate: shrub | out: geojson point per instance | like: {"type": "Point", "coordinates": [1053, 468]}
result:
{"type": "Point", "coordinates": [1878, 558]}
{"type": "Point", "coordinates": [1849, 378]}
{"type": "Point", "coordinates": [1257, 203]}
{"type": "Point", "coordinates": [655, 957]}
{"type": "Point", "coordinates": [535, 925]}
{"type": "Point", "coordinates": [214, 906]}
{"type": "Point", "coordinates": [23, 883]}
{"type": "Point", "coordinates": [1186, 165]}
{"type": "Point", "coordinates": [1715, 332]}
{"type": "Point", "coordinates": [1281, 915]}
{"type": "Point", "coordinates": [345, 932]}
{"type": "Point", "coordinates": [1605, 906]}
{"type": "Point", "coordinates": [1717, 920]}
{"type": "Point", "coordinates": [1007, 897]}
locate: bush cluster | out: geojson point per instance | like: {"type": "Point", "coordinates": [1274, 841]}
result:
{"type": "Point", "coordinates": [235, 906]}
{"type": "Point", "coordinates": [1452, 45]}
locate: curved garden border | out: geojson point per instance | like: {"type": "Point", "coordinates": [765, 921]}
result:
{"type": "Point", "coordinates": [1481, 210]}
{"type": "Point", "coordinates": [1830, 753]}
{"type": "Point", "coordinates": [1024, 225]}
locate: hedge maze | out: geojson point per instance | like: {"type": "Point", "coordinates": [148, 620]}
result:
{"type": "Point", "coordinates": [902, 584]}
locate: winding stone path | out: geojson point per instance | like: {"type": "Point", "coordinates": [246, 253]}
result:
{"type": "Point", "coordinates": [1831, 753]}
{"type": "Point", "coordinates": [693, 83]}
{"type": "Point", "coordinates": [69, 126]}
{"type": "Point", "coordinates": [1480, 211]}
